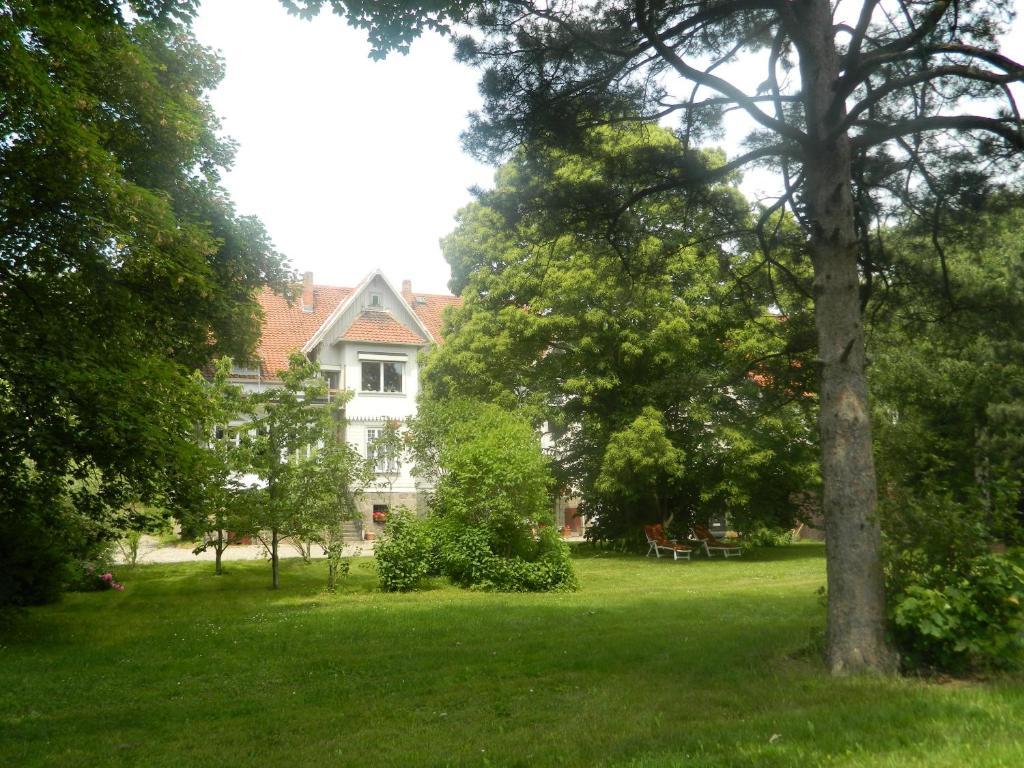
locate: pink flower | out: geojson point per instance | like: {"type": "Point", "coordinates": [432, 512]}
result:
{"type": "Point", "coordinates": [108, 576]}
{"type": "Point", "coordinates": [118, 586]}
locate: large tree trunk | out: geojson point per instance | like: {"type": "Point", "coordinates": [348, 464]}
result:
{"type": "Point", "coordinates": [856, 598]}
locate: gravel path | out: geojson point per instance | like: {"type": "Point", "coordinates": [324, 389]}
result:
{"type": "Point", "coordinates": [151, 551]}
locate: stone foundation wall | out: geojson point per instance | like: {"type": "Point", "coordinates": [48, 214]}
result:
{"type": "Point", "coordinates": [411, 499]}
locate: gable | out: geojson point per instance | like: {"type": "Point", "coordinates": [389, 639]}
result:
{"type": "Point", "coordinates": [339, 313]}
{"type": "Point", "coordinates": [375, 312]}
{"type": "Point", "coordinates": [379, 326]}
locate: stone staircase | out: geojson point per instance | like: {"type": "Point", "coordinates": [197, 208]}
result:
{"type": "Point", "coordinates": [352, 531]}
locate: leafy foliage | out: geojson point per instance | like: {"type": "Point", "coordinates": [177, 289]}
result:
{"type": "Point", "coordinates": [952, 604]}
{"type": "Point", "coordinates": [637, 347]}
{"type": "Point", "coordinates": [489, 526]}
{"type": "Point", "coordinates": [490, 469]}
{"type": "Point", "coordinates": [124, 266]}
{"type": "Point", "coordinates": [947, 391]}
{"type": "Point", "coordinates": [967, 617]}
{"type": "Point", "coordinates": [402, 552]}
{"type": "Point", "coordinates": [949, 375]}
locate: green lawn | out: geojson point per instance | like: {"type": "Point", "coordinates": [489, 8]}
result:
{"type": "Point", "coordinates": [652, 663]}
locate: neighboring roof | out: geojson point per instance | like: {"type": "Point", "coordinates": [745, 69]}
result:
{"type": "Point", "coordinates": [288, 329]}
{"type": "Point", "coordinates": [430, 307]}
{"type": "Point", "coordinates": [377, 326]}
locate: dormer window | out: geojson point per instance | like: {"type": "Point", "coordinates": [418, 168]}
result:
{"type": "Point", "coordinates": [245, 368]}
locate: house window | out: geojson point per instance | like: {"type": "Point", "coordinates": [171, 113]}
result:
{"type": "Point", "coordinates": [249, 368]}
{"type": "Point", "coordinates": [332, 378]}
{"type": "Point", "coordinates": [375, 300]}
{"type": "Point", "coordinates": [380, 376]}
{"type": "Point", "coordinates": [381, 464]}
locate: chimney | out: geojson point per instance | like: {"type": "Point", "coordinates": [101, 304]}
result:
{"type": "Point", "coordinates": [308, 303]}
{"type": "Point", "coordinates": [407, 290]}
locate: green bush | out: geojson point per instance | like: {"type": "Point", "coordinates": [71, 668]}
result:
{"type": "Point", "coordinates": [952, 605]}
{"type": "Point", "coordinates": [413, 548]}
{"type": "Point", "coordinates": [972, 617]}
{"type": "Point", "coordinates": [44, 540]}
{"type": "Point", "coordinates": [767, 537]}
{"type": "Point", "coordinates": [492, 496]}
{"type": "Point", "coordinates": [402, 553]}
{"type": "Point", "coordinates": [467, 559]}
{"type": "Point", "coordinates": [36, 563]}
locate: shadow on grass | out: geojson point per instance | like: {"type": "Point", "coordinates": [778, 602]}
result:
{"type": "Point", "coordinates": [806, 550]}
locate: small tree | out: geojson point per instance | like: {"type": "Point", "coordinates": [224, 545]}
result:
{"type": "Point", "coordinates": [387, 452]}
{"type": "Point", "coordinates": [211, 502]}
{"type": "Point", "coordinates": [328, 487]}
{"type": "Point", "coordinates": [491, 511]}
{"type": "Point", "coordinates": [288, 425]}
{"type": "Point", "coordinates": [494, 475]}
{"type": "Point", "coordinates": [639, 460]}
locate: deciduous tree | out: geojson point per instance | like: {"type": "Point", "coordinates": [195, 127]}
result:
{"type": "Point", "coordinates": [867, 109]}
{"type": "Point", "coordinates": [287, 425]}
{"type": "Point", "coordinates": [123, 265]}
{"type": "Point", "coordinates": [587, 329]}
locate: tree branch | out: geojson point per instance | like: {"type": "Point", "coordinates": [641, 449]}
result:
{"type": "Point", "coordinates": [892, 86]}
{"type": "Point", "coordinates": [875, 133]}
{"type": "Point", "coordinates": [714, 82]}
{"type": "Point", "coordinates": [710, 175]}
{"type": "Point", "coordinates": [859, 72]}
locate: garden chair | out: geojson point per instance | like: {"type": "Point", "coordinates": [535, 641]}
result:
{"type": "Point", "coordinates": [709, 542]}
{"type": "Point", "coordinates": [657, 542]}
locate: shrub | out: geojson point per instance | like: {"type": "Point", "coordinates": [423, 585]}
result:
{"type": "Point", "coordinates": [466, 558]}
{"type": "Point", "coordinates": [492, 496]}
{"type": "Point", "coordinates": [969, 618]}
{"type": "Point", "coordinates": [36, 562]}
{"type": "Point", "coordinates": [768, 537]}
{"type": "Point", "coordinates": [952, 605]}
{"type": "Point", "coordinates": [402, 552]}
{"type": "Point", "coordinates": [462, 552]}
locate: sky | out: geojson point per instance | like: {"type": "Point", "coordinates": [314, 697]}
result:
{"type": "Point", "coordinates": [354, 164]}
{"type": "Point", "coordinates": [351, 164]}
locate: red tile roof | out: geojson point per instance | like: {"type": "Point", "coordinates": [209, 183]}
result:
{"type": "Point", "coordinates": [374, 325]}
{"type": "Point", "coordinates": [287, 328]}
{"type": "Point", "coordinates": [430, 307]}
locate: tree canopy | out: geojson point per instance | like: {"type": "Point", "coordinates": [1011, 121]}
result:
{"type": "Point", "coordinates": [869, 111]}
{"type": "Point", "coordinates": [656, 338]}
{"type": "Point", "coordinates": [123, 264]}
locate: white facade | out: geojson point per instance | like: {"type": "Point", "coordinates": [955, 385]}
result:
{"type": "Point", "coordinates": [369, 344]}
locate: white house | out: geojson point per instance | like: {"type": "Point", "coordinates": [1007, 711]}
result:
{"type": "Point", "coordinates": [366, 339]}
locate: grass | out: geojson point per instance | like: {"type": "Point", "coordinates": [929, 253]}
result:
{"type": "Point", "coordinates": [652, 663]}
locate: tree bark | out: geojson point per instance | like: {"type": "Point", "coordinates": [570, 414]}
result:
{"type": "Point", "coordinates": [856, 640]}
{"type": "Point", "coordinates": [218, 551]}
{"type": "Point", "coordinates": [275, 575]}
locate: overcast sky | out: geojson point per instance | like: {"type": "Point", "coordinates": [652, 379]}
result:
{"type": "Point", "coordinates": [351, 164]}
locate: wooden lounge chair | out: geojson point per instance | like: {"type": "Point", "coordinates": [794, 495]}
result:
{"type": "Point", "coordinates": [708, 540]}
{"type": "Point", "coordinates": [657, 542]}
